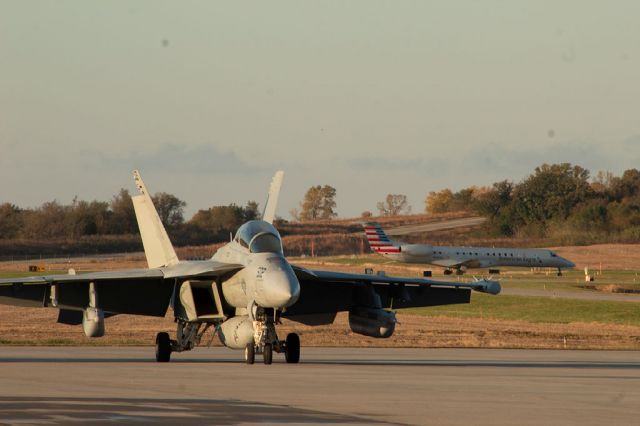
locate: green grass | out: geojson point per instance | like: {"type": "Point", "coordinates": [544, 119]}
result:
{"type": "Point", "coordinates": [509, 277]}
{"type": "Point", "coordinates": [538, 310]}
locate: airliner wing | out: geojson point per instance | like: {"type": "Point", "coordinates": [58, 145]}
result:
{"type": "Point", "coordinates": [456, 263]}
{"type": "Point", "coordinates": [447, 263]}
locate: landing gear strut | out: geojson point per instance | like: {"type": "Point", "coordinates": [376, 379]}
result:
{"type": "Point", "coordinates": [266, 340]}
{"type": "Point", "coordinates": [188, 336]}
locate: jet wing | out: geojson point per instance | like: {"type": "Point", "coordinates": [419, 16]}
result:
{"type": "Point", "coordinates": [131, 291]}
{"type": "Point", "coordinates": [325, 292]}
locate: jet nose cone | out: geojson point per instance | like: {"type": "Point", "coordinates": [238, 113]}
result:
{"type": "Point", "coordinates": [280, 287]}
{"type": "Point", "coordinates": [285, 295]}
{"type": "Point", "coordinates": [282, 291]}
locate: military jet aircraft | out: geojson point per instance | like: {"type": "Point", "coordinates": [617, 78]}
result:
{"type": "Point", "coordinates": [240, 294]}
{"type": "Point", "coordinates": [461, 258]}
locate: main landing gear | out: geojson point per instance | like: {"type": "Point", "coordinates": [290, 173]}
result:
{"type": "Point", "coordinates": [188, 336]}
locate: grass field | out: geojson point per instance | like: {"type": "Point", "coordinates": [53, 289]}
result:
{"type": "Point", "coordinates": [538, 310]}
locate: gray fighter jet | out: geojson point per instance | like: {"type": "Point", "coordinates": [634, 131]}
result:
{"type": "Point", "coordinates": [461, 258]}
{"type": "Point", "coordinates": [240, 294]}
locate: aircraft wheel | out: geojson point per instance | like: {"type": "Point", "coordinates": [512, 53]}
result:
{"type": "Point", "coordinates": [163, 347]}
{"type": "Point", "coordinates": [268, 353]}
{"type": "Point", "coordinates": [292, 352]}
{"type": "Point", "coordinates": [250, 353]}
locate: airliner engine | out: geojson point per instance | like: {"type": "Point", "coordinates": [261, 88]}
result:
{"type": "Point", "coordinates": [372, 322]}
{"type": "Point", "coordinates": [419, 250]}
{"type": "Point", "coordinates": [236, 332]}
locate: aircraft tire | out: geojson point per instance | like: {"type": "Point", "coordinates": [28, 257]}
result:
{"type": "Point", "coordinates": [163, 347]}
{"type": "Point", "coordinates": [250, 354]}
{"type": "Point", "coordinates": [292, 352]}
{"type": "Point", "coordinates": [268, 354]}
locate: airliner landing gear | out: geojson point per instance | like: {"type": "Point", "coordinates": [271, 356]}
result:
{"type": "Point", "coordinates": [559, 272]}
{"type": "Point", "coordinates": [448, 272]}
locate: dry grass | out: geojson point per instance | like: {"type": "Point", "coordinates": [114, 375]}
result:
{"type": "Point", "coordinates": [607, 256]}
{"type": "Point", "coordinates": [38, 326]}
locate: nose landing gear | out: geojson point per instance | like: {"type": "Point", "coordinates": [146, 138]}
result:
{"type": "Point", "coordinates": [266, 340]}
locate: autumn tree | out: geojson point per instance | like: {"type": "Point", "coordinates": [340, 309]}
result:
{"type": "Point", "coordinates": [439, 202]}
{"type": "Point", "coordinates": [170, 208]}
{"type": "Point", "coordinates": [319, 203]}
{"type": "Point", "coordinates": [552, 191]}
{"type": "Point", "coordinates": [251, 211]}
{"type": "Point", "coordinates": [10, 220]}
{"type": "Point", "coordinates": [394, 205]}
{"type": "Point", "coordinates": [123, 216]}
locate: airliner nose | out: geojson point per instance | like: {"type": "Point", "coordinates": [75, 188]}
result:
{"type": "Point", "coordinates": [567, 263]}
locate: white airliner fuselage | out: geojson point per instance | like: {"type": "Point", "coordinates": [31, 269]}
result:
{"type": "Point", "coordinates": [461, 258]}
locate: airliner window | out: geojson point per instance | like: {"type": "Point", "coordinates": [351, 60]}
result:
{"type": "Point", "coordinates": [265, 243]}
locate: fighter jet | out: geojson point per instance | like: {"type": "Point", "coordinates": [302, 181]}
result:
{"type": "Point", "coordinates": [461, 258]}
{"type": "Point", "coordinates": [241, 293]}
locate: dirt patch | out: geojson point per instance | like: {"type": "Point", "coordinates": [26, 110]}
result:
{"type": "Point", "coordinates": [611, 288]}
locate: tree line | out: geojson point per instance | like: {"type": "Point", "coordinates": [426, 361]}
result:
{"type": "Point", "coordinates": [53, 220]}
{"type": "Point", "coordinates": [556, 200]}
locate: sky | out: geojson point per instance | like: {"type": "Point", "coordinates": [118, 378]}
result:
{"type": "Point", "coordinates": [208, 99]}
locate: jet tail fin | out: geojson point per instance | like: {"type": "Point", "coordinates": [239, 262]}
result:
{"type": "Point", "coordinates": [272, 200]}
{"type": "Point", "coordinates": [157, 246]}
{"type": "Point", "coordinates": [378, 240]}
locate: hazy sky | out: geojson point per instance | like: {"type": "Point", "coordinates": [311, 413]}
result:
{"type": "Point", "coordinates": [208, 99]}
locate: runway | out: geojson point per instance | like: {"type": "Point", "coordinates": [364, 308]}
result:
{"type": "Point", "coordinates": [436, 226]}
{"type": "Point", "coordinates": [109, 385]}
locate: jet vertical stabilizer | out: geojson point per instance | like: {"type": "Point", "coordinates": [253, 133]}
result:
{"type": "Point", "coordinates": [378, 240]}
{"type": "Point", "coordinates": [157, 246]}
{"type": "Point", "coordinates": [272, 200]}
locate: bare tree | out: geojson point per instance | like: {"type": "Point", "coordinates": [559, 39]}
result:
{"type": "Point", "coordinates": [394, 205]}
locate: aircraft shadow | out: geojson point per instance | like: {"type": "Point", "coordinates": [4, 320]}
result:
{"type": "Point", "coordinates": [58, 410]}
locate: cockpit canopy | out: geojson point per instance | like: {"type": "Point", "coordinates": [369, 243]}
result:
{"type": "Point", "coordinates": [259, 237]}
